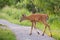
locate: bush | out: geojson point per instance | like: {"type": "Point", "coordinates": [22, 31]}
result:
{"type": "Point", "coordinates": [6, 34]}
{"type": "Point", "coordinates": [13, 12]}
{"type": "Point", "coordinates": [7, 2]}
{"type": "Point", "coordinates": [20, 5]}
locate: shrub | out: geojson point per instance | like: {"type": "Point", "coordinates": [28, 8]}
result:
{"type": "Point", "coordinates": [6, 34]}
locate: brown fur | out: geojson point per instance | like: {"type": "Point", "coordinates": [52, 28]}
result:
{"type": "Point", "coordinates": [37, 17]}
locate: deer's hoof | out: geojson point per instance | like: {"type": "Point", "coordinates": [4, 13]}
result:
{"type": "Point", "coordinates": [42, 34]}
{"type": "Point", "coordinates": [30, 34]}
{"type": "Point", "coordinates": [38, 33]}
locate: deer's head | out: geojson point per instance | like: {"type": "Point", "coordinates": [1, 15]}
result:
{"type": "Point", "coordinates": [23, 17]}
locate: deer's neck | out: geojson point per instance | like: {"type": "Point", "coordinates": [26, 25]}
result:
{"type": "Point", "coordinates": [27, 18]}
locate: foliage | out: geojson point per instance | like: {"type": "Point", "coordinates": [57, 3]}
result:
{"type": "Point", "coordinates": [6, 34]}
{"type": "Point", "coordinates": [46, 6]}
{"type": "Point", "coordinates": [7, 2]}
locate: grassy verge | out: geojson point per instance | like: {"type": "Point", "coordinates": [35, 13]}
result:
{"type": "Point", "coordinates": [6, 34]}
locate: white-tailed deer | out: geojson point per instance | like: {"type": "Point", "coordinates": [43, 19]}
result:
{"type": "Point", "coordinates": [37, 18]}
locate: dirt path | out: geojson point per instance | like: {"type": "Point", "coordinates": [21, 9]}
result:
{"type": "Point", "coordinates": [22, 32]}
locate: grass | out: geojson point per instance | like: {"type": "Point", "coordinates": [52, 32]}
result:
{"type": "Point", "coordinates": [6, 34]}
{"type": "Point", "coordinates": [13, 15]}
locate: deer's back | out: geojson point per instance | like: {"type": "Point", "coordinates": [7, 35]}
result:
{"type": "Point", "coordinates": [38, 17]}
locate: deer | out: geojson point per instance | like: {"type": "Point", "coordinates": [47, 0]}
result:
{"type": "Point", "coordinates": [33, 18]}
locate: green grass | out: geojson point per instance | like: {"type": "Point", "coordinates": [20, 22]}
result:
{"type": "Point", "coordinates": [6, 34]}
{"type": "Point", "coordinates": [13, 15]}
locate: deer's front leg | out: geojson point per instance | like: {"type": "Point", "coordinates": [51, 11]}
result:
{"type": "Point", "coordinates": [31, 29]}
{"type": "Point", "coordinates": [36, 28]}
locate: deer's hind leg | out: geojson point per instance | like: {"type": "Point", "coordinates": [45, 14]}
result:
{"type": "Point", "coordinates": [50, 31]}
{"type": "Point", "coordinates": [46, 25]}
{"type": "Point", "coordinates": [44, 30]}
